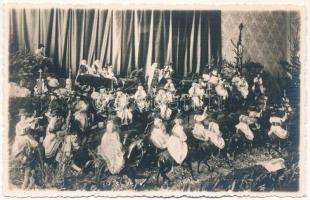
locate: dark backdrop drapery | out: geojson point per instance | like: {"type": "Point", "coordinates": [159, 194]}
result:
{"type": "Point", "coordinates": [126, 38]}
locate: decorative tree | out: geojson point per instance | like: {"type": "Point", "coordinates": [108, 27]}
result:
{"type": "Point", "coordinates": [238, 49]}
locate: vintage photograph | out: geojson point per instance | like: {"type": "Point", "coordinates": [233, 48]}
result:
{"type": "Point", "coordinates": [112, 99]}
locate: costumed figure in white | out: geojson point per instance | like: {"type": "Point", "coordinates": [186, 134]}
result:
{"type": "Point", "coordinates": [95, 68]}
{"type": "Point", "coordinates": [121, 106]}
{"type": "Point", "coordinates": [243, 127]}
{"type": "Point", "coordinates": [55, 128]}
{"type": "Point", "coordinates": [177, 146]}
{"type": "Point", "coordinates": [81, 114]}
{"type": "Point", "coordinates": [101, 99]}
{"type": "Point", "coordinates": [276, 126]}
{"type": "Point", "coordinates": [159, 137]}
{"type": "Point", "coordinates": [214, 135]}
{"type": "Point", "coordinates": [258, 87]}
{"type": "Point", "coordinates": [222, 92]}
{"type": "Point", "coordinates": [169, 87]}
{"type": "Point", "coordinates": [140, 98]}
{"type": "Point", "coordinates": [107, 72]}
{"type": "Point", "coordinates": [255, 116]}
{"type": "Point", "coordinates": [24, 146]}
{"type": "Point", "coordinates": [286, 105]}
{"type": "Point", "coordinates": [241, 85]}
{"type": "Point", "coordinates": [152, 76]}
{"type": "Point", "coordinates": [111, 149]}
{"type": "Point", "coordinates": [167, 71]}
{"type": "Point", "coordinates": [196, 93]}
{"type": "Point", "coordinates": [162, 100]}
{"type": "Point", "coordinates": [214, 79]}
{"type": "Point", "coordinates": [244, 88]}
{"type": "Point", "coordinates": [199, 131]}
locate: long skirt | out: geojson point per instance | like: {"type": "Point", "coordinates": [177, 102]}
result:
{"type": "Point", "coordinates": [278, 131]}
{"type": "Point", "coordinates": [245, 129]}
{"type": "Point", "coordinates": [177, 149]}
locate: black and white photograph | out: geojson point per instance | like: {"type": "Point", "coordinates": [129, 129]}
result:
{"type": "Point", "coordinates": [141, 99]}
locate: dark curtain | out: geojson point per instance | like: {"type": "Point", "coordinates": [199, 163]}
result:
{"type": "Point", "coordinates": [128, 39]}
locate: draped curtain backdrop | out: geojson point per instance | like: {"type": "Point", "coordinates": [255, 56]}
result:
{"type": "Point", "coordinates": [128, 39]}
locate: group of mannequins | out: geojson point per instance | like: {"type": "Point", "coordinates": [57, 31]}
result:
{"type": "Point", "coordinates": [61, 135]}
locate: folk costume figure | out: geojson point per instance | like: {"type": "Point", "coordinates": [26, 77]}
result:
{"type": "Point", "coordinates": [199, 131]}
{"type": "Point", "coordinates": [276, 126]}
{"type": "Point", "coordinates": [177, 146]}
{"type": "Point", "coordinates": [243, 126]}
{"type": "Point", "coordinates": [140, 98]}
{"type": "Point", "coordinates": [196, 93]}
{"type": "Point", "coordinates": [167, 71]}
{"type": "Point", "coordinates": [96, 68]}
{"type": "Point", "coordinates": [214, 135]}
{"type": "Point", "coordinates": [244, 88]}
{"type": "Point", "coordinates": [214, 79]}
{"type": "Point", "coordinates": [81, 114]}
{"type": "Point", "coordinates": [169, 87]}
{"type": "Point", "coordinates": [152, 75]}
{"type": "Point", "coordinates": [39, 52]}
{"type": "Point", "coordinates": [24, 148]}
{"type": "Point", "coordinates": [54, 128]}
{"type": "Point", "coordinates": [206, 77]}
{"type": "Point", "coordinates": [159, 137]}
{"type": "Point", "coordinates": [102, 99]}
{"type": "Point", "coordinates": [83, 68]}
{"type": "Point", "coordinates": [255, 116]}
{"type": "Point", "coordinates": [107, 72]}
{"type": "Point", "coordinates": [221, 89]}
{"type": "Point", "coordinates": [286, 105]}
{"type": "Point", "coordinates": [258, 87]}
{"type": "Point", "coordinates": [162, 100]}
{"type": "Point", "coordinates": [23, 140]}
{"type": "Point", "coordinates": [121, 105]}
{"type": "Point", "coordinates": [111, 149]}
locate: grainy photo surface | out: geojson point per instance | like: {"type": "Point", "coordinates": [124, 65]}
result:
{"type": "Point", "coordinates": [151, 99]}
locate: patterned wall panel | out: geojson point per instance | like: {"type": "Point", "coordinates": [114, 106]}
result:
{"type": "Point", "coordinates": [265, 35]}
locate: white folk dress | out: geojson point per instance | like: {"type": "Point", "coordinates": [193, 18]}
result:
{"type": "Point", "coordinates": [276, 128]}
{"type": "Point", "coordinates": [221, 91]}
{"type": "Point", "coordinates": [177, 146]}
{"type": "Point", "coordinates": [23, 140]}
{"type": "Point", "coordinates": [140, 98]}
{"type": "Point", "coordinates": [199, 131]}
{"type": "Point", "coordinates": [159, 136]}
{"type": "Point", "coordinates": [196, 93]}
{"type": "Point", "coordinates": [111, 149]}
{"type": "Point", "coordinates": [243, 126]}
{"type": "Point", "coordinates": [214, 135]}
